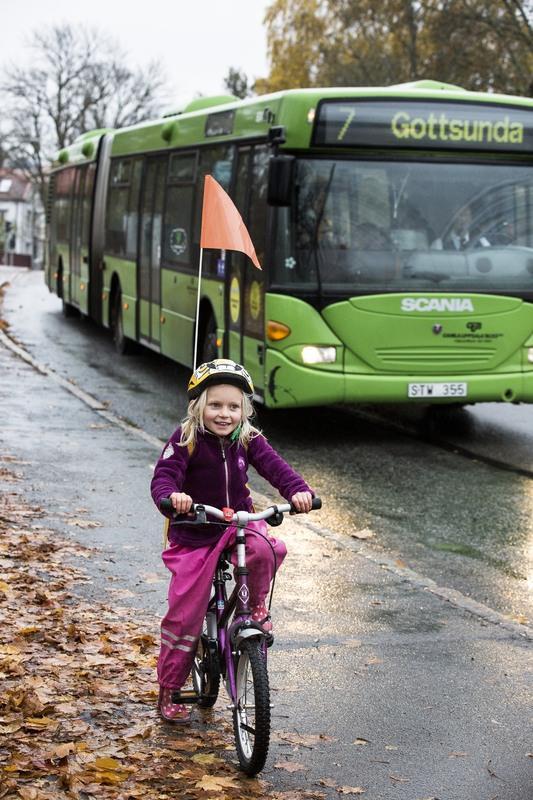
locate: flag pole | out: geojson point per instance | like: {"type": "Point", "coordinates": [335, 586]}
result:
{"type": "Point", "coordinates": [194, 365]}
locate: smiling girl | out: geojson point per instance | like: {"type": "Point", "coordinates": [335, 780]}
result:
{"type": "Point", "coordinates": [206, 461]}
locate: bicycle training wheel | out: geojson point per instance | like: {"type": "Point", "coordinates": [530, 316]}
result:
{"type": "Point", "coordinates": [206, 672]}
{"type": "Point", "coordinates": [251, 717]}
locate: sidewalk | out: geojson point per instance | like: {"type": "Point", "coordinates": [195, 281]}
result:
{"type": "Point", "coordinates": [378, 684]}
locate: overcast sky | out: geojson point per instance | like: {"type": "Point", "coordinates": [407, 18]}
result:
{"type": "Point", "coordinates": [196, 40]}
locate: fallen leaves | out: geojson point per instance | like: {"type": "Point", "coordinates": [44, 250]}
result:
{"type": "Point", "coordinates": [365, 533]}
{"type": "Point", "coordinates": [289, 766]}
{"type": "Point", "coordinates": [78, 688]}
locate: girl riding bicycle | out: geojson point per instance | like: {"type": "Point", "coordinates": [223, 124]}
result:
{"type": "Point", "coordinates": [206, 460]}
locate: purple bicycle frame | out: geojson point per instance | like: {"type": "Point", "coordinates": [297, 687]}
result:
{"type": "Point", "coordinates": [238, 600]}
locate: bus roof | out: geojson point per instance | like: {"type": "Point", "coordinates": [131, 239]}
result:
{"type": "Point", "coordinates": [224, 118]}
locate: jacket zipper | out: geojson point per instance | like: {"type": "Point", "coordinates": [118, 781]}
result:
{"type": "Point", "coordinates": [225, 472]}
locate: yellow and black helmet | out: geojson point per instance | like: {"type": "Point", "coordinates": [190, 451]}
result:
{"type": "Point", "coordinates": [220, 370]}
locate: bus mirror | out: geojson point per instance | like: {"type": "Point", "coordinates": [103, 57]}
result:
{"type": "Point", "coordinates": [280, 178]}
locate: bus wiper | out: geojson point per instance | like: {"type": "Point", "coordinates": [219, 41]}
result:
{"type": "Point", "coordinates": [313, 252]}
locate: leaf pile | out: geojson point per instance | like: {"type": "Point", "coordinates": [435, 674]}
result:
{"type": "Point", "coordinates": [78, 688]}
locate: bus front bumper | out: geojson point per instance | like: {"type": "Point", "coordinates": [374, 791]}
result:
{"type": "Point", "coordinates": [290, 385]}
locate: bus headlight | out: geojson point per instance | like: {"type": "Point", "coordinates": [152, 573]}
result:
{"type": "Point", "coordinates": [318, 355]}
{"type": "Point", "coordinates": [530, 354]}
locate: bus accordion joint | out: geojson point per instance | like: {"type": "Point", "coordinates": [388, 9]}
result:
{"type": "Point", "coordinates": [276, 331]}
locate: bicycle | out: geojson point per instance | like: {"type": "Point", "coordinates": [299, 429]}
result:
{"type": "Point", "coordinates": [233, 647]}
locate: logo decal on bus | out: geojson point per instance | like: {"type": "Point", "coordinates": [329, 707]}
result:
{"type": "Point", "coordinates": [178, 241]}
{"type": "Point", "coordinates": [437, 304]}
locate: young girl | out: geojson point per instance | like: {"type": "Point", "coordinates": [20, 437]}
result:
{"type": "Point", "coordinates": [206, 461]}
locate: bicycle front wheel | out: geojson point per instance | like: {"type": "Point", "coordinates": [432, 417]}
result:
{"type": "Point", "coordinates": [251, 716]}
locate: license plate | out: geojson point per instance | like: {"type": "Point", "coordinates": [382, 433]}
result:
{"type": "Point", "coordinates": [437, 390]}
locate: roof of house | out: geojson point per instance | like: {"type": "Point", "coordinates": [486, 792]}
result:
{"type": "Point", "coordinates": [14, 186]}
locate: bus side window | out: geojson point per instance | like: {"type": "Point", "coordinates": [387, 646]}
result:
{"type": "Point", "coordinates": [117, 207]}
{"type": "Point", "coordinates": [132, 225]}
{"type": "Point", "coordinates": [62, 203]}
{"type": "Point", "coordinates": [216, 160]}
{"type": "Point", "coordinates": [257, 222]}
{"type": "Point", "coordinates": [177, 231]}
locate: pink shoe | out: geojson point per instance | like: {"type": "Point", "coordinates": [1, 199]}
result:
{"type": "Point", "coordinates": [261, 615]}
{"type": "Point", "coordinates": [169, 711]}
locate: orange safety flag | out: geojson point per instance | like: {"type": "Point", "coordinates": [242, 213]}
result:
{"type": "Point", "coordinates": [222, 225]}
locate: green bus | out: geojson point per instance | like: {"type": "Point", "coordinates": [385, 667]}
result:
{"type": "Point", "coordinates": [394, 226]}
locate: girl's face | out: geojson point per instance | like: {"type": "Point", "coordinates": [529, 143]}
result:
{"type": "Point", "coordinates": [223, 410]}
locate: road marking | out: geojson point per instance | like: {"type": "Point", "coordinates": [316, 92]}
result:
{"type": "Point", "coordinates": [362, 550]}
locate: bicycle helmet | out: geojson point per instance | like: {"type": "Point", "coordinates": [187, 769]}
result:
{"type": "Point", "coordinates": [220, 370]}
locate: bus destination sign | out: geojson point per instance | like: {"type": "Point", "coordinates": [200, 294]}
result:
{"type": "Point", "coordinates": [437, 125]}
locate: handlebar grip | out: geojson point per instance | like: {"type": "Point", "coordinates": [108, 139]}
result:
{"type": "Point", "coordinates": [317, 503]}
{"type": "Point", "coordinates": [166, 504]}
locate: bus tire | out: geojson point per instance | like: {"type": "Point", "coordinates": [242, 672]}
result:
{"type": "Point", "coordinates": [69, 310]}
{"type": "Point", "coordinates": [123, 345]}
{"type": "Point", "coordinates": [209, 348]}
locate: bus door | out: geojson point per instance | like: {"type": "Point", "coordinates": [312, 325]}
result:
{"type": "Point", "coordinates": [76, 238]}
{"type": "Point", "coordinates": [245, 289]}
{"type": "Point", "coordinates": [86, 195]}
{"type": "Point", "coordinates": [235, 275]}
{"type": "Point", "coordinates": [149, 268]}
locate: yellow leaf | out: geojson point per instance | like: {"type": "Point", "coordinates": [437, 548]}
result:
{"type": "Point", "coordinates": [365, 533]}
{"type": "Point", "coordinates": [206, 758]}
{"type": "Point", "coordinates": [28, 793]}
{"type": "Point", "coordinates": [4, 587]}
{"type": "Point", "coordinates": [29, 629]}
{"type": "Point", "coordinates": [109, 778]}
{"type": "Point", "coordinates": [106, 764]}
{"type": "Point", "coordinates": [351, 790]}
{"type": "Point", "coordinates": [210, 783]}
{"type": "Point", "coordinates": [289, 766]}
{"type": "Point", "coordinates": [38, 723]}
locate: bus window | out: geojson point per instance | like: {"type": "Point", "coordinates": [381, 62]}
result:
{"type": "Point", "coordinates": [216, 161]}
{"type": "Point", "coordinates": [117, 207]}
{"type": "Point", "coordinates": [177, 231]}
{"type": "Point", "coordinates": [133, 209]}
{"type": "Point", "coordinates": [62, 203]}
{"type": "Point", "coordinates": [257, 220]}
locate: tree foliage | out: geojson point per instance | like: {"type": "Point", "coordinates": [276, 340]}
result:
{"type": "Point", "coordinates": [484, 45]}
{"type": "Point", "coordinates": [236, 83]}
{"type": "Point", "coordinates": [79, 80]}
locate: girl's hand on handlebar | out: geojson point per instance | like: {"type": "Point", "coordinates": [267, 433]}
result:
{"type": "Point", "coordinates": [302, 501]}
{"type": "Point", "coordinates": [181, 502]}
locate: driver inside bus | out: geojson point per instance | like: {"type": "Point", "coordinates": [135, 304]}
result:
{"type": "Point", "coordinates": [462, 234]}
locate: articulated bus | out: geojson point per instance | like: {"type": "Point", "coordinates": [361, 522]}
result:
{"type": "Point", "coordinates": [394, 227]}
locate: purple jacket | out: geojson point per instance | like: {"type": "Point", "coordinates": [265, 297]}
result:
{"type": "Point", "coordinates": [216, 474]}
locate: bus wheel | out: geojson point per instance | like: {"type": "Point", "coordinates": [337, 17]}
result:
{"type": "Point", "coordinates": [123, 345]}
{"type": "Point", "coordinates": [209, 349]}
{"type": "Point", "coordinates": [68, 309]}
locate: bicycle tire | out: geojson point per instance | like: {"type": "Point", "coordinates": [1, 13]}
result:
{"type": "Point", "coordinates": [251, 716]}
{"type": "Point", "coordinates": [206, 672]}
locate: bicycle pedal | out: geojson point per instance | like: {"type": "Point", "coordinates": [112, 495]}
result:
{"type": "Point", "coordinates": [185, 696]}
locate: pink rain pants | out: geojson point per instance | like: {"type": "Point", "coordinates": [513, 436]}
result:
{"type": "Point", "coordinates": [192, 571]}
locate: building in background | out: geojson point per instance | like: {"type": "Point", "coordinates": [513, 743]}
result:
{"type": "Point", "coordinates": [22, 221]}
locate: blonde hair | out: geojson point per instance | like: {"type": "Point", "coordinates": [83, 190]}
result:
{"type": "Point", "coordinates": [193, 422]}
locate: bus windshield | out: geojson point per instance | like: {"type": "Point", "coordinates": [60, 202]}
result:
{"type": "Point", "coordinates": [373, 226]}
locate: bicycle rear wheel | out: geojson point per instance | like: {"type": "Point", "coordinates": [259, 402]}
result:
{"type": "Point", "coordinates": [251, 716]}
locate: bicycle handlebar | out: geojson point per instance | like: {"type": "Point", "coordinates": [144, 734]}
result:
{"type": "Point", "coordinates": [198, 512]}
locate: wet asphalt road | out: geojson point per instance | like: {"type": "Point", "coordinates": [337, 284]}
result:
{"type": "Point", "coordinates": [449, 515]}
{"type": "Point", "coordinates": [362, 652]}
